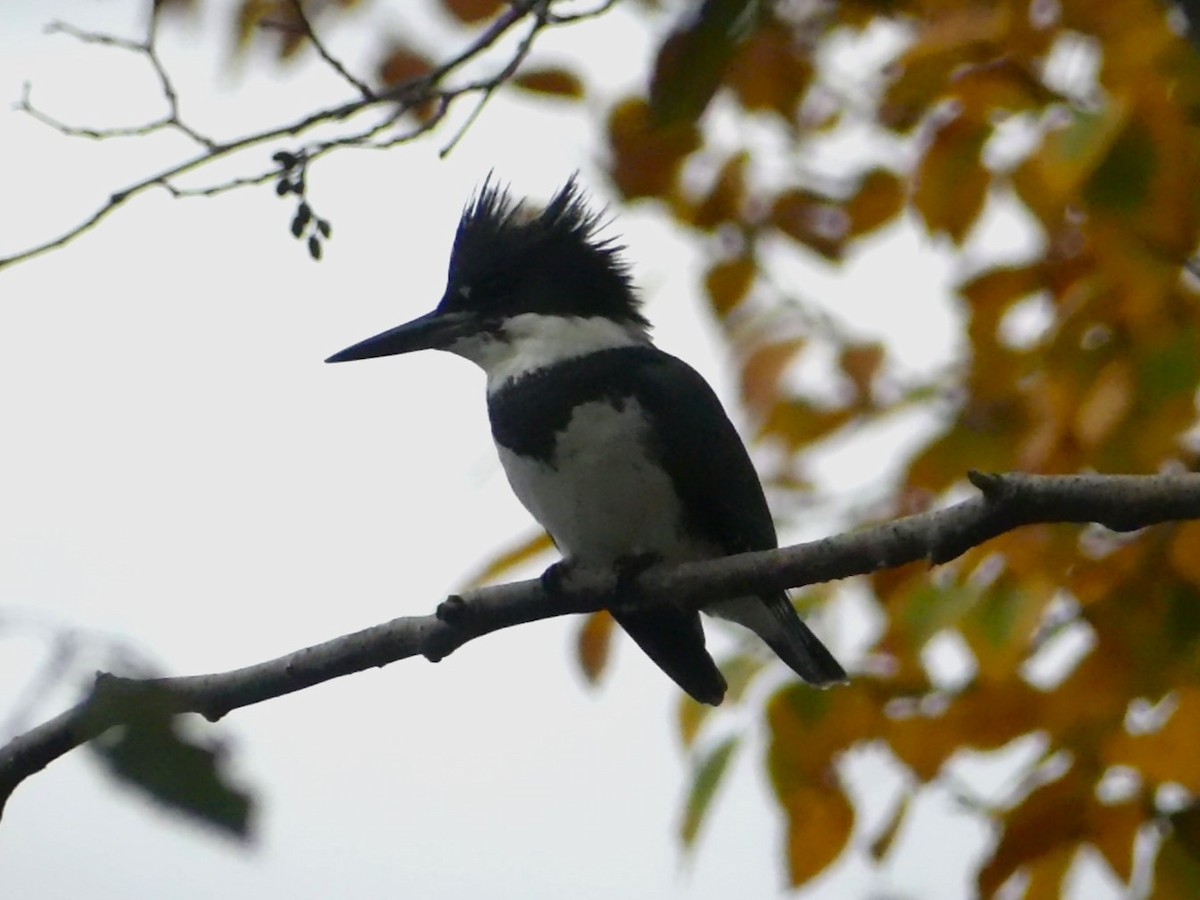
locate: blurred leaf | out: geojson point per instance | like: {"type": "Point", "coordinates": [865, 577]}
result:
{"type": "Point", "coordinates": [402, 63]}
{"type": "Point", "coordinates": [470, 12]}
{"type": "Point", "coordinates": [879, 200]}
{"type": "Point", "coordinates": [1112, 830]}
{"type": "Point", "coordinates": [771, 69]}
{"type": "Point", "coordinates": [1051, 177]}
{"type": "Point", "coordinates": [184, 775]}
{"type": "Point", "coordinates": [952, 183]}
{"type": "Point", "coordinates": [706, 777]}
{"type": "Point", "coordinates": [724, 201]}
{"type": "Point", "coordinates": [728, 282]}
{"type": "Point", "coordinates": [646, 156]}
{"type": "Point", "coordinates": [812, 221]}
{"type": "Point", "coordinates": [1185, 552]}
{"type": "Point", "coordinates": [887, 835]}
{"type": "Point", "coordinates": [1049, 820]}
{"type": "Point", "coordinates": [553, 81]}
{"type": "Point", "coordinates": [1177, 868]}
{"type": "Point", "coordinates": [819, 822]}
{"type": "Point", "coordinates": [798, 423]}
{"type": "Point", "coordinates": [509, 559]}
{"type": "Point", "coordinates": [762, 371]}
{"type": "Point", "coordinates": [860, 363]}
{"type": "Point", "coordinates": [1168, 754]}
{"type": "Point", "coordinates": [594, 644]}
{"type": "Point", "coordinates": [692, 59]}
{"type": "Point", "coordinates": [1105, 404]}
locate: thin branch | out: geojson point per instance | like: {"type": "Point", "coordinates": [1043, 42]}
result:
{"type": "Point", "coordinates": [330, 60]}
{"type": "Point", "coordinates": [404, 97]}
{"type": "Point", "coordinates": [1005, 502]}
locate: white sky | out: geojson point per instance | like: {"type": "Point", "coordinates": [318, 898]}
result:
{"type": "Point", "coordinates": [181, 472]}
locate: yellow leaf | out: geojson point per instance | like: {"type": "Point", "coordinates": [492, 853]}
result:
{"type": "Point", "coordinates": [952, 183]}
{"type": "Point", "coordinates": [594, 643]}
{"type": "Point", "coordinates": [1105, 404]}
{"type": "Point", "coordinates": [724, 201]}
{"type": "Point", "coordinates": [509, 559]}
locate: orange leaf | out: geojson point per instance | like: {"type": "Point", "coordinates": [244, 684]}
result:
{"type": "Point", "coordinates": [471, 11]}
{"type": "Point", "coordinates": [1185, 551]}
{"type": "Point", "coordinates": [1113, 829]}
{"type": "Point", "coordinates": [861, 363]}
{"type": "Point", "coordinates": [724, 201]}
{"type": "Point", "coordinates": [594, 643]}
{"type": "Point", "coordinates": [879, 200]}
{"type": "Point", "coordinates": [1050, 819]}
{"type": "Point", "coordinates": [728, 282]}
{"type": "Point", "coordinates": [952, 183]}
{"type": "Point", "coordinates": [402, 63]}
{"type": "Point", "coordinates": [762, 371]}
{"type": "Point", "coordinates": [819, 822]}
{"type": "Point", "coordinates": [1106, 403]}
{"type": "Point", "coordinates": [771, 70]}
{"type": "Point", "coordinates": [812, 221]}
{"type": "Point", "coordinates": [1166, 755]}
{"type": "Point", "coordinates": [645, 156]}
{"type": "Point", "coordinates": [554, 81]}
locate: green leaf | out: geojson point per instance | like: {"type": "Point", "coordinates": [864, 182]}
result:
{"type": "Point", "coordinates": [707, 777]}
{"type": "Point", "coordinates": [184, 775]}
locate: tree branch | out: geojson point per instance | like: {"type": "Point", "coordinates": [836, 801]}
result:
{"type": "Point", "coordinates": [1005, 502]}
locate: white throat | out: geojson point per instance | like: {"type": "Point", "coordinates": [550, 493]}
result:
{"type": "Point", "coordinates": [532, 341]}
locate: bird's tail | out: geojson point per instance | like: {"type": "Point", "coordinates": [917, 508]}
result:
{"type": "Point", "coordinates": [675, 641]}
{"type": "Point", "coordinates": [776, 621]}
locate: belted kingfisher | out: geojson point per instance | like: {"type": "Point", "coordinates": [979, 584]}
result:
{"type": "Point", "coordinates": [622, 452]}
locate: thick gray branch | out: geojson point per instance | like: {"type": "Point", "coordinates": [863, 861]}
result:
{"type": "Point", "coordinates": [1120, 502]}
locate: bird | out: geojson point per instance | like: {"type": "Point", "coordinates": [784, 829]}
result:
{"type": "Point", "coordinates": [622, 452]}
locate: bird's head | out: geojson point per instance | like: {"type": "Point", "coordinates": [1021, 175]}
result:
{"type": "Point", "coordinates": [525, 288]}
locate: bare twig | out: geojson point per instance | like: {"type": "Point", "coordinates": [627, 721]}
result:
{"type": "Point", "coordinates": [394, 103]}
{"type": "Point", "coordinates": [330, 60]}
{"type": "Point", "coordinates": [1121, 502]}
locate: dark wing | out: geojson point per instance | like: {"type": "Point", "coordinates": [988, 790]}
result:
{"type": "Point", "coordinates": [724, 500]}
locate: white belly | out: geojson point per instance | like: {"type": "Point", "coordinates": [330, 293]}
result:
{"type": "Point", "coordinates": [602, 496]}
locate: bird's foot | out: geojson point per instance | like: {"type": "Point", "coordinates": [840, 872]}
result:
{"type": "Point", "coordinates": [554, 579]}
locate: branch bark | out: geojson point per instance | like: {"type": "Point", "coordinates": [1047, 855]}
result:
{"type": "Point", "coordinates": [1005, 502]}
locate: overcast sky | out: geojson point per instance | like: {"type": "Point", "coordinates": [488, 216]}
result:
{"type": "Point", "coordinates": [183, 477]}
